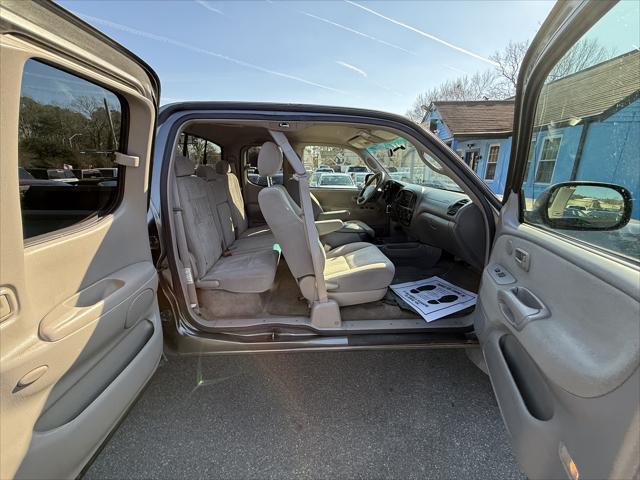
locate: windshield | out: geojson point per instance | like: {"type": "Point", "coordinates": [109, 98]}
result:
{"type": "Point", "coordinates": [404, 163]}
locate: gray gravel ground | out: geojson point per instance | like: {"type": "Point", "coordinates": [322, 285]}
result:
{"type": "Point", "coordinates": [377, 414]}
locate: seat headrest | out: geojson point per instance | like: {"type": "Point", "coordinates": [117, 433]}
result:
{"type": "Point", "coordinates": [183, 166]}
{"type": "Point", "coordinates": [206, 171]}
{"type": "Point", "coordinates": [223, 167]}
{"type": "Point", "coordinates": [269, 159]}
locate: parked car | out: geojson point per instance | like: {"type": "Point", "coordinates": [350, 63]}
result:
{"type": "Point", "coordinates": [324, 168]}
{"type": "Point", "coordinates": [108, 172]}
{"type": "Point", "coordinates": [356, 169]}
{"type": "Point", "coordinates": [359, 179]}
{"type": "Point", "coordinates": [54, 174]}
{"type": "Point", "coordinates": [28, 181]}
{"type": "Point", "coordinates": [86, 173]}
{"type": "Point", "coordinates": [336, 180]}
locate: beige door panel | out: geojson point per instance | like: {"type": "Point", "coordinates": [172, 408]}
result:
{"type": "Point", "coordinates": [83, 331]}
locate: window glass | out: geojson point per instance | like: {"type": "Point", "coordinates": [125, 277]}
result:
{"type": "Point", "coordinates": [250, 163]}
{"type": "Point", "coordinates": [492, 161]}
{"type": "Point", "coordinates": [198, 150]}
{"type": "Point", "coordinates": [68, 131]}
{"type": "Point", "coordinates": [587, 128]}
{"type": "Point", "coordinates": [404, 163]}
{"type": "Point", "coordinates": [334, 167]}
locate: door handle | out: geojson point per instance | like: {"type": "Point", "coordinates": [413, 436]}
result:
{"type": "Point", "coordinates": [519, 306]}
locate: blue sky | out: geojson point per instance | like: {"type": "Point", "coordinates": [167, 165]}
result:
{"type": "Point", "coordinates": [366, 54]}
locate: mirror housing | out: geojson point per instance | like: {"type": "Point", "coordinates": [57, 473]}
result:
{"type": "Point", "coordinates": [581, 205]}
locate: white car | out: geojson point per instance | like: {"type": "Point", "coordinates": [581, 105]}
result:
{"type": "Point", "coordinates": [335, 180]}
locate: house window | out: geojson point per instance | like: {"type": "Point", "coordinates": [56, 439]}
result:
{"type": "Point", "coordinates": [433, 126]}
{"type": "Point", "coordinates": [492, 162]}
{"type": "Point", "coordinates": [532, 154]}
{"type": "Point", "coordinates": [548, 158]}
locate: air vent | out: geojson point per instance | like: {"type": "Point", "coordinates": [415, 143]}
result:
{"type": "Point", "coordinates": [453, 209]}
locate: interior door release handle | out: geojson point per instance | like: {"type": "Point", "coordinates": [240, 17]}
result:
{"type": "Point", "coordinates": [519, 306]}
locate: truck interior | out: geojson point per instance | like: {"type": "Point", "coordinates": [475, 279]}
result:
{"type": "Point", "coordinates": [238, 223]}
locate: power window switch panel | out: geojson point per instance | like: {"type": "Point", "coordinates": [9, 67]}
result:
{"type": "Point", "coordinates": [500, 275]}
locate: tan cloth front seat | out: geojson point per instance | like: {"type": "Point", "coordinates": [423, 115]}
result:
{"type": "Point", "coordinates": [354, 273]}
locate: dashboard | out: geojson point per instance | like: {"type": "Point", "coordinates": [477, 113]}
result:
{"type": "Point", "coordinates": [441, 218]}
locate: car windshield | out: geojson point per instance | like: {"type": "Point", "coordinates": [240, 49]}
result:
{"type": "Point", "coordinates": [328, 179]}
{"type": "Point", "coordinates": [404, 163]}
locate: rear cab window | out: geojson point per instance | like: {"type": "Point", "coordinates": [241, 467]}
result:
{"type": "Point", "coordinates": [250, 167]}
{"type": "Point", "coordinates": [199, 150]}
{"type": "Point", "coordinates": [69, 129]}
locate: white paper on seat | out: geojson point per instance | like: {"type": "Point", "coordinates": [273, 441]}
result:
{"type": "Point", "coordinates": [434, 298]}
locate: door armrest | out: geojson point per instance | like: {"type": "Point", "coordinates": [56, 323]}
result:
{"type": "Point", "coordinates": [328, 226]}
{"type": "Point", "coordinates": [335, 215]}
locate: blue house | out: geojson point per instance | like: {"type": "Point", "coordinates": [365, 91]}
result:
{"type": "Point", "coordinates": [479, 132]}
{"type": "Point", "coordinates": [577, 118]}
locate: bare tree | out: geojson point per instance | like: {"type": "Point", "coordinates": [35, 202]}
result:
{"type": "Point", "coordinates": [501, 82]}
{"type": "Point", "coordinates": [479, 86]}
{"type": "Point", "coordinates": [508, 62]}
{"type": "Point", "coordinates": [582, 55]}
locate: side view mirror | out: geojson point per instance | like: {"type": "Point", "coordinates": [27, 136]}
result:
{"type": "Point", "coordinates": [583, 206]}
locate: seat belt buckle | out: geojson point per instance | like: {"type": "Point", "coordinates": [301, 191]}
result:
{"type": "Point", "coordinates": [227, 253]}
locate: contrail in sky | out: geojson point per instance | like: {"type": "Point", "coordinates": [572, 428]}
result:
{"type": "Point", "coordinates": [420, 32]}
{"type": "Point", "coordinates": [209, 7]}
{"type": "Point", "coordinates": [352, 67]}
{"type": "Point", "coordinates": [193, 48]}
{"type": "Point", "coordinates": [357, 32]}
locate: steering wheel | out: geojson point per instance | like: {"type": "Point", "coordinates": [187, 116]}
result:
{"type": "Point", "coordinates": [370, 188]}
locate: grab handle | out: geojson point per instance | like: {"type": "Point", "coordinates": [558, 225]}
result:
{"type": "Point", "coordinates": [519, 306]}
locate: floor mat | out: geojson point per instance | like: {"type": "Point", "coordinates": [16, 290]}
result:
{"type": "Point", "coordinates": [378, 414]}
{"type": "Point", "coordinates": [285, 297]}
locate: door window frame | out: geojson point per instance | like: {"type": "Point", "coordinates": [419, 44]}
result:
{"type": "Point", "coordinates": [555, 38]}
{"type": "Point", "coordinates": [122, 147]}
{"type": "Point", "coordinates": [568, 24]}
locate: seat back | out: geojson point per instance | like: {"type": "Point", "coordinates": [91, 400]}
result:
{"type": "Point", "coordinates": [284, 217]}
{"type": "Point", "coordinates": [221, 202]}
{"type": "Point", "coordinates": [234, 192]}
{"type": "Point", "coordinates": [201, 227]}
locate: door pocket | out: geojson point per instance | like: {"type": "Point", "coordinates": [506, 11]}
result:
{"type": "Point", "coordinates": [531, 385]}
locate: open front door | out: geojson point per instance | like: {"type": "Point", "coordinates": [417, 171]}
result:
{"type": "Point", "coordinates": [559, 313]}
{"type": "Point", "coordinates": [80, 331]}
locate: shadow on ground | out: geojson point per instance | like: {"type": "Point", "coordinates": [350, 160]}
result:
{"type": "Point", "coordinates": [379, 414]}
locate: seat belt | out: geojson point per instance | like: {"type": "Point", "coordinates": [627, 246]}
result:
{"type": "Point", "coordinates": [310, 230]}
{"type": "Point", "coordinates": [183, 249]}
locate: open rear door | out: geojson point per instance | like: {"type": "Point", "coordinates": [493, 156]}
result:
{"type": "Point", "coordinates": [559, 314]}
{"type": "Point", "coordinates": [80, 332]}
